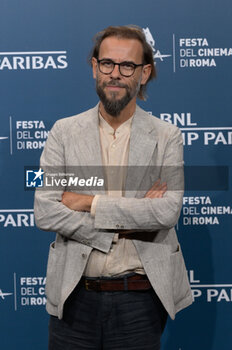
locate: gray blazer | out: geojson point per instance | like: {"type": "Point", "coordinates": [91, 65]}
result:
{"type": "Point", "coordinates": [75, 141]}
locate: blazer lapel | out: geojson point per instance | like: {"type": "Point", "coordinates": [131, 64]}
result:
{"type": "Point", "coordinates": [143, 142]}
{"type": "Point", "coordinates": [88, 147]}
{"type": "Point", "coordinates": [87, 138]}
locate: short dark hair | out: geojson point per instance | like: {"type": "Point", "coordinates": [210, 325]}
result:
{"type": "Point", "coordinates": [127, 32]}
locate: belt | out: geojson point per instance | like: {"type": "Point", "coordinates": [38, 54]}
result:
{"type": "Point", "coordinates": [135, 282]}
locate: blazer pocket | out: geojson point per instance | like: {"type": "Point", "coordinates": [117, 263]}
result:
{"type": "Point", "coordinates": [180, 281]}
{"type": "Point", "coordinates": [55, 268]}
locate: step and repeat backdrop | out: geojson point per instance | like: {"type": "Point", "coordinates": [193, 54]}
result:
{"type": "Point", "coordinates": [44, 76]}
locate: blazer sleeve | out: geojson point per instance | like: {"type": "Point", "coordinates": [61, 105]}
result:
{"type": "Point", "coordinates": [52, 215]}
{"type": "Point", "coordinates": [147, 213]}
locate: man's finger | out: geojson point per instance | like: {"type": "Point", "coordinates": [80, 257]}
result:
{"type": "Point", "coordinates": [158, 192]}
{"type": "Point", "coordinates": [157, 187]}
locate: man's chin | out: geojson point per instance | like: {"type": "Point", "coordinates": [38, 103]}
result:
{"type": "Point", "coordinates": [114, 108]}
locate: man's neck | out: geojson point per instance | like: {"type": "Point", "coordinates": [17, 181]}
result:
{"type": "Point", "coordinates": [124, 115]}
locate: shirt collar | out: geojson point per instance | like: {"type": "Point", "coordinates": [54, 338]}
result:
{"type": "Point", "coordinates": [126, 126]}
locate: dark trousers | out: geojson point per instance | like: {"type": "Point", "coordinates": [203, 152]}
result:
{"type": "Point", "coordinates": [109, 320]}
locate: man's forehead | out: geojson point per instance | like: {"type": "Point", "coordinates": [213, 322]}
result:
{"type": "Point", "coordinates": [121, 48]}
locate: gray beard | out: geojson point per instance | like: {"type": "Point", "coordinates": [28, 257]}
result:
{"type": "Point", "coordinates": [114, 106]}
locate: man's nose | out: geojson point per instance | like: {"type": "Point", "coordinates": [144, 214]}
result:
{"type": "Point", "coordinates": [116, 72]}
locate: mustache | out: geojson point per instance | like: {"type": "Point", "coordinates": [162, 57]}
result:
{"type": "Point", "coordinates": [114, 83]}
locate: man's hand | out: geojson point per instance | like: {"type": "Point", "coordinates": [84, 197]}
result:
{"type": "Point", "coordinates": [76, 201]}
{"type": "Point", "coordinates": [157, 190]}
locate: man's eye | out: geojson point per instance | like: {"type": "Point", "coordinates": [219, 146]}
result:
{"type": "Point", "coordinates": [127, 65]}
{"type": "Point", "coordinates": [106, 63]}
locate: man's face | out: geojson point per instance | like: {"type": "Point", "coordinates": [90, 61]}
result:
{"type": "Point", "coordinates": [114, 90]}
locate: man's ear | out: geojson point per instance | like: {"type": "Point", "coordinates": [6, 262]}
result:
{"type": "Point", "coordinates": [94, 67]}
{"type": "Point", "coordinates": [145, 73]}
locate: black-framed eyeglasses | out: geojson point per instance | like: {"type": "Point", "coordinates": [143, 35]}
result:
{"type": "Point", "coordinates": [126, 69]}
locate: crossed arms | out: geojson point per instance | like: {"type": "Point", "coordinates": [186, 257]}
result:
{"type": "Point", "coordinates": [83, 202]}
{"type": "Point", "coordinates": [68, 213]}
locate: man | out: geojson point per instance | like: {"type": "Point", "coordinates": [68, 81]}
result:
{"type": "Point", "coordinates": [116, 269]}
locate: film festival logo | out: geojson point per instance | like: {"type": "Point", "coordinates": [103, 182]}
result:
{"type": "Point", "coordinates": [5, 142]}
{"type": "Point", "coordinates": [156, 53]}
{"type": "Point", "coordinates": [197, 52]}
{"type": "Point", "coordinates": [25, 135]}
{"type": "Point", "coordinates": [3, 138]}
{"type": "Point", "coordinates": [194, 52]}
{"type": "Point", "coordinates": [28, 292]}
{"type": "Point", "coordinates": [3, 295]}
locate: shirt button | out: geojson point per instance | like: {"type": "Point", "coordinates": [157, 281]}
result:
{"type": "Point", "coordinates": [84, 256]}
{"type": "Point", "coordinates": [113, 146]}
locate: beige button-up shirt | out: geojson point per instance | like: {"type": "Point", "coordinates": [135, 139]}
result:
{"type": "Point", "coordinates": [122, 257]}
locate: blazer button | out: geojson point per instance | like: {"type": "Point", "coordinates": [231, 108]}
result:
{"type": "Point", "coordinates": [122, 226]}
{"type": "Point", "coordinates": [84, 256]}
{"type": "Point", "coordinates": [117, 226]}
